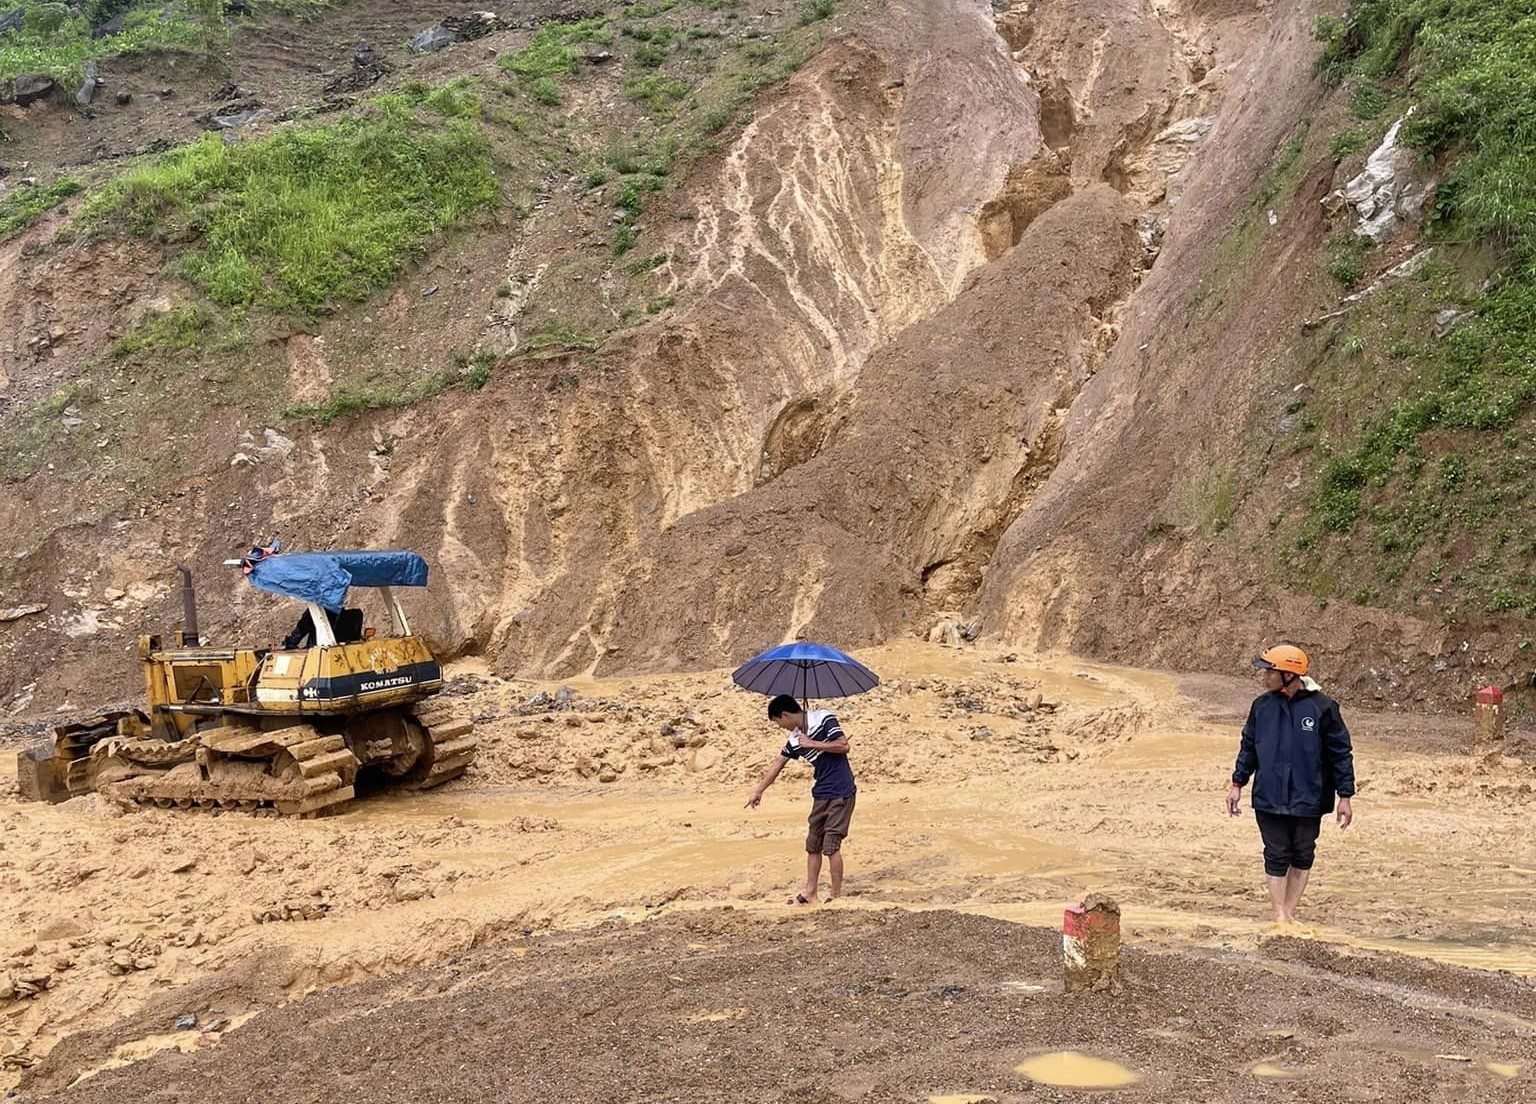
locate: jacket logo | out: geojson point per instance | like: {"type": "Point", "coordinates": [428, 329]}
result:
{"type": "Point", "coordinates": [1308, 723]}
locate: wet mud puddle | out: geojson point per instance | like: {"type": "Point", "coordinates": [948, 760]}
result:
{"type": "Point", "coordinates": [1068, 1069]}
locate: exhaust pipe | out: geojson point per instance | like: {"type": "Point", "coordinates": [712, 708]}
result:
{"type": "Point", "coordinates": [188, 607]}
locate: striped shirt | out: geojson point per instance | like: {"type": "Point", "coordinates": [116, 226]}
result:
{"type": "Point", "coordinates": [833, 775]}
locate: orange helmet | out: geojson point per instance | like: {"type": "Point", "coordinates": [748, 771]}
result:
{"type": "Point", "coordinates": [1283, 657]}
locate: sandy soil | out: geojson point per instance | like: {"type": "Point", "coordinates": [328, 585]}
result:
{"type": "Point", "coordinates": [971, 801]}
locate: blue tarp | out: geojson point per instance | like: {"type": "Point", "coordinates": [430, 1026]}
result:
{"type": "Point", "coordinates": [325, 577]}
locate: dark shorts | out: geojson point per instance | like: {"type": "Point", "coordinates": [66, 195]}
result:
{"type": "Point", "coordinates": [1289, 841]}
{"type": "Point", "coordinates": [828, 825]}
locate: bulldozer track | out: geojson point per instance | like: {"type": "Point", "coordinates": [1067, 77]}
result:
{"type": "Point", "coordinates": [290, 772]}
{"type": "Point", "coordinates": [451, 741]}
{"type": "Point", "coordinates": [294, 771]}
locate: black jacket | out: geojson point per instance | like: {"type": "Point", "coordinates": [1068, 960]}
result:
{"type": "Point", "coordinates": [1301, 751]}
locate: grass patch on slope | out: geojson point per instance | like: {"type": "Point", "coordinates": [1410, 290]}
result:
{"type": "Point", "coordinates": [306, 218]}
{"type": "Point", "coordinates": [55, 39]}
{"type": "Point", "coordinates": [21, 208]}
{"type": "Point", "coordinates": [1447, 458]}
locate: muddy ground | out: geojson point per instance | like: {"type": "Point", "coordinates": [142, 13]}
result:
{"type": "Point", "coordinates": [587, 899]}
{"type": "Point", "coordinates": [838, 1006]}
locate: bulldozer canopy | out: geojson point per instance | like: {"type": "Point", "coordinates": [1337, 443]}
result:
{"type": "Point", "coordinates": [325, 577]}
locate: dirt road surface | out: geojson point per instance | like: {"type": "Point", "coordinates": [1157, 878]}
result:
{"type": "Point", "coordinates": [593, 912]}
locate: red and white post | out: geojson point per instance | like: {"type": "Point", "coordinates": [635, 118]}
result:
{"type": "Point", "coordinates": [1489, 712]}
{"type": "Point", "coordinates": [1090, 946]}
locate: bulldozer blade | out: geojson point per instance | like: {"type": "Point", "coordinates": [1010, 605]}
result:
{"type": "Point", "coordinates": [40, 773]}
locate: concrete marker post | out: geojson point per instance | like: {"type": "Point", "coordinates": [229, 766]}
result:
{"type": "Point", "coordinates": [1489, 714]}
{"type": "Point", "coordinates": [1090, 946]}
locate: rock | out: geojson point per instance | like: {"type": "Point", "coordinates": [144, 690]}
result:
{"type": "Point", "coordinates": [16, 613]}
{"type": "Point", "coordinates": [124, 99]}
{"type": "Point", "coordinates": [698, 740]}
{"type": "Point", "coordinates": [144, 962]}
{"type": "Point", "coordinates": [87, 91]}
{"type": "Point", "coordinates": [603, 57]}
{"type": "Point", "coordinates": [1392, 190]}
{"type": "Point", "coordinates": [12, 21]}
{"type": "Point", "coordinates": [707, 758]}
{"type": "Point", "coordinates": [431, 40]}
{"type": "Point", "coordinates": [185, 1022]}
{"type": "Point", "coordinates": [38, 981]}
{"type": "Point", "coordinates": [183, 864]}
{"type": "Point", "coordinates": [608, 775]}
{"type": "Point", "coordinates": [363, 55]}
{"type": "Point", "coordinates": [467, 28]}
{"type": "Point", "coordinates": [29, 88]}
{"type": "Point", "coordinates": [1448, 320]}
{"type": "Point", "coordinates": [120, 963]}
{"type": "Point", "coordinates": [239, 119]}
{"type": "Point", "coordinates": [112, 26]}
{"type": "Point", "coordinates": [411, 888]}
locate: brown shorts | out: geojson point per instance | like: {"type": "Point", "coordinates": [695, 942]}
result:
{"type": "Point", "coordinates": [829, 822]}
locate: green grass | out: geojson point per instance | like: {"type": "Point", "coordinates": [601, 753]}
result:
{"type": "Point", "coordinates": [309, 217]}
{"type": "Point", "coordinates": [1468, 63]}
{"type": "Point", "coordinates": [564, 337]}
{"type": "Point", "coordinates": [1346, 258]}
{"type": "Point", "coordinates": [475, 370]}
{"type": "Point", "coordinates": [814, 10]}
{"type": "Point", "coordinates": [357, 398]}
{"type": "Point", "coordinates": [174, 331]}
{"type": "Point", "coordinates": [56, 42]}
{"type": "Point", "coordinates": [658, 94]}
{"type": "Point", "coordinates": [454, 100]}
{"type": "Point", "coordinates": [546, 90]}
{"type": "Point", "coordinates": [554, 49]}
{"type": "Point", "coordinates": [24, 206]}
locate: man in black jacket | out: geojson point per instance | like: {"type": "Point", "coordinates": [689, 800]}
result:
{"type": "Point", "coordinates": [1296, 741]}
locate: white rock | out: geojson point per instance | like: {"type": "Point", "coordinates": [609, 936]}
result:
{"type": "Point", "coordinates": [1391, 191]}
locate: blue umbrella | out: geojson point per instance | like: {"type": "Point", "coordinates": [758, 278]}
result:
{"type": "Point", "coordinates": [805, 670]}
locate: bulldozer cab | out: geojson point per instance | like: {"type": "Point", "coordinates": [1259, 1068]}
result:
{"type": "Point", "coordinates": [338, 664]}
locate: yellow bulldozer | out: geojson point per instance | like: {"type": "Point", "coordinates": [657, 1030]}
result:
{"type": "Point", "coordinates": [288, 730]}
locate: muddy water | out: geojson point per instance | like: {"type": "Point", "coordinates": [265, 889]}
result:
{"type": "Point", "coordinates": [1271, 1072]}
{"type": "Point", "coordinates": [1067, 1069]}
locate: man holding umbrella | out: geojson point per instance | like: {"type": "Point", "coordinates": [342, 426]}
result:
{"type": "Point", "coordinates": [816, 671]}
{"type": "Point", "coordinates": [816, 737]}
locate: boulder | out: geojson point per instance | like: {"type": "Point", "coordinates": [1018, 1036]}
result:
{"type": "Point", "coordinates": [88, 87]}
{"type": "Point", "coordinates": [112, 26]}
{"type": "Point", "coordinates": [29, 88]}
{"type": "Point", "coordinates": [431, 40]}
{"type": "Point", "coordinates": [1392, 190]}
{"type": "Point", "coordinates": [12, 21]}
{"type": "Point", "coordinates": [239, 119]}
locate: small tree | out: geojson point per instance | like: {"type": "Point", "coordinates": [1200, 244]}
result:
{"type": "Point", "coordinates": [210, 17]}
